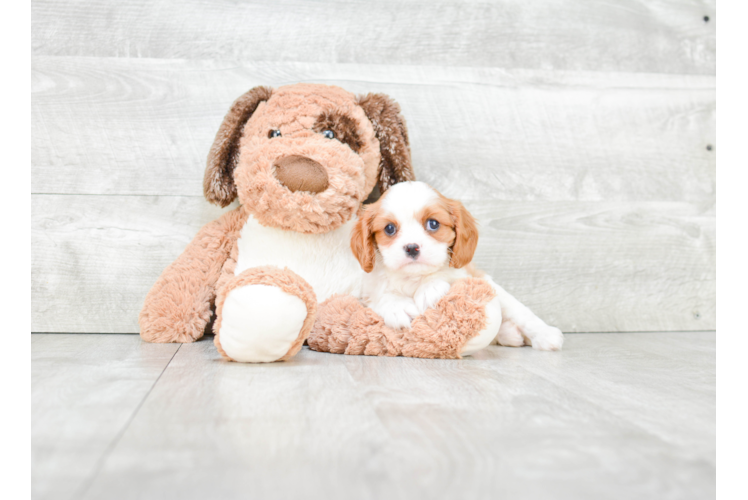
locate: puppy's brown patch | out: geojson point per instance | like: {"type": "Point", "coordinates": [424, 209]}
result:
{"type": "Point", "coordinates": [379, 222]}
{"type": "Point", "coordinates": [457, 227]}
{"type": "Point", "coordinates": [440, 213]}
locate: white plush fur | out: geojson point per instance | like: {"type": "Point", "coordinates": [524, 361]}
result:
{"type": "Point", "coordinates": [260, 323]}
{"type": "Point", "coordinates": [488, 334]}
{"type": "Point", "coordinates": [399, 288]}
{"type": "Point", "coordinates": [324, 260]}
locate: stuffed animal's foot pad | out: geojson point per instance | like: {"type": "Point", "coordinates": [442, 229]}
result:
{"type": "Point", "coordinates": [260, 323]}
{"type": "Point", "coordinates": [264, 315]}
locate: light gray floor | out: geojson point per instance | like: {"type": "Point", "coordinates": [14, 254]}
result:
{"type": "Point", "coordinates": [612, 416]}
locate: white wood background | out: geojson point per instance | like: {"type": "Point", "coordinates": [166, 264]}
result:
{"type": "Point", "coordinates": [580, 133]}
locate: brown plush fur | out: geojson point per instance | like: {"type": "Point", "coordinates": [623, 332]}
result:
{"type": "Point", "coordinates": [178, 306]}
{"type": "Point", "coordinates": [392, 133]}
{"type": "Point", "coordinates": [345, 326]}
{"type": "Point", "coordinates": [218, 183]}
{"type": "Point", "coordinates": [343, 126]}
{"type": "Point", "coordinates": [285, 279]}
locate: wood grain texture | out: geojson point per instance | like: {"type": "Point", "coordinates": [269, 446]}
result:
{"type": "Point", "coordinates": [610, 416]}
{"type": "Point", "coordinates": [127, 126]}
{"type": "Point", "coordinates": [624, 35]}
{"type": "Point", "coordinates": [85, 389]}
{"type": "Point", "coordinates": [582, 266]}
{"type": "Point", "coordinates": [96, 257]}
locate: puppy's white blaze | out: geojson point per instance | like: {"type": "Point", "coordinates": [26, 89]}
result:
{"type": "Point", "coordinates": [405, 199]}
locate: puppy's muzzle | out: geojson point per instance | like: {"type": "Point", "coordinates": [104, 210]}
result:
{"type": "Point", "coordinates": [299, 173]}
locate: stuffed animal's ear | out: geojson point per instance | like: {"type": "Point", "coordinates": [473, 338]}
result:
{"type": "Point", "coordinates": [218, 183]}
{"type": "Point", "coordinates": [362, 241]}
{"type": "Point", "coordinates": [389, 127]}
{"type": "Point", "coordinates": [466, 235]}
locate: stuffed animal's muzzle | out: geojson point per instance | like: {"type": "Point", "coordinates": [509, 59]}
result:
{"type": "Point", "coordinates": [304, 183]}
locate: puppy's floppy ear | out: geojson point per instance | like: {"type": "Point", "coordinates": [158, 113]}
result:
{"type": "Point", "coordinates": [218, 183]}
{"type": "Point", "coordinates": [389, 127]}
{"type": "Point", "coordinates": [466, 235]}
{"type": "Point", "coordinates": [362, 240]}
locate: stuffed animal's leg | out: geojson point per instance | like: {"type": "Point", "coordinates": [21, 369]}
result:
{"type": "Point", "coordinates": [521, 324]}
{"type": "Point", "coordinates": [264, 314]}
{"type": "Point", "coordinates": [177, 308]}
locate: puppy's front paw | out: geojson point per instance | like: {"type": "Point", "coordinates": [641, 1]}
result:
{"type": "Point", "coordinates": [549, 338]}
{"type": "Point", "coordinates": [397, 313]}
{"type": "Point", "coordinates": [429, 294]}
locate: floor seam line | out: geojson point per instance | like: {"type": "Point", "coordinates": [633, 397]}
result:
{"type": "Point", "coordinates": [85, 487]}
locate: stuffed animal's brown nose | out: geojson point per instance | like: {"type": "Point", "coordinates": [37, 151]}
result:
{"type": "Point", "coordinates": [299, 173]}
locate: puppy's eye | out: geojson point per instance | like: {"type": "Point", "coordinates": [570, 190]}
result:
{"type": "Point", "coordinates": [274, 133]}
{"type": "Point", "coordinates": [432, 225]}
{"type": "Point", "coordinates": [390, 229]}
{"type": "Point", "coordinates": [328, 134]}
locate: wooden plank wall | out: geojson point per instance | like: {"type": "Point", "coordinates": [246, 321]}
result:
{"type": "Point", "coordinates": [580, 133]}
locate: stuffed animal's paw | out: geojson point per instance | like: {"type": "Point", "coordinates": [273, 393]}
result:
{"type": "Point", "coordinates": [429, 294]}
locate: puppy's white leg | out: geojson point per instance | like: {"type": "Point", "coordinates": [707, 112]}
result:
{"type": "Point", "coordinates": [397, 311]}
{"type": "Point", "coordinates": [429, 294]}
{"type": "Point", "coordinates": [534, 330]}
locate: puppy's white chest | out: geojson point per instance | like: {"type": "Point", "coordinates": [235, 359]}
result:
{"type": "Point", "coordinates": [325, 261]}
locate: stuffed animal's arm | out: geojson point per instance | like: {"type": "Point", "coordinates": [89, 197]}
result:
{"type": "Point", "coordinates": [178, 306]}
{"type": "Point", "coordinates": [465, 320]}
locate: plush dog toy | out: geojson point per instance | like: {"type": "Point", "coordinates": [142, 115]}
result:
{"type": "Point", "coordinates": [301, 159]}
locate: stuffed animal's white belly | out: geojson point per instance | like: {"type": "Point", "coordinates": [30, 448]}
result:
{"type": "Point", "coordinates": [325, 261]}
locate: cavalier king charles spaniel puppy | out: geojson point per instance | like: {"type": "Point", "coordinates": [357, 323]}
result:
{"type": "Point", "coordinates": [413, 244]}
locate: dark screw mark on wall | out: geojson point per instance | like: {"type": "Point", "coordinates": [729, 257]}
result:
{"type": "Point", "coordinates": [697, 315]}
{"type": "Point", "coordinates": [708, 147]}
{"type": "Point", "coordinates": [706, 19]}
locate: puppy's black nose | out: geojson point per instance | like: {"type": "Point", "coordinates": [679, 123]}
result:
{"type": "Point", "coordinates": [412, 250]}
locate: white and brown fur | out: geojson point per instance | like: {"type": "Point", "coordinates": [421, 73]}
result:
{"type": "Point", "coordinates": [401, 283]}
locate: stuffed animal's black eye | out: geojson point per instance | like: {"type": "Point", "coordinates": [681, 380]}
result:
{"type": "Point", "coordinates": [329, 134]}
{"type": "Point", "coordinates": [432, 225]}
{"type": "Point", "coordinates": [274, 133]}
{"type": "Point", "coordinates": [390, 229]}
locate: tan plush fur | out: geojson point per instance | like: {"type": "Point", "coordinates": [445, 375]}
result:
{"type": "Point", "coordinates": [345, 326]}
{"type": "Point", "coordinates": [241, 164]}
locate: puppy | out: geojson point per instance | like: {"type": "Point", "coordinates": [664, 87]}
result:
{"type": "Point", "coordinates": [413, 243]}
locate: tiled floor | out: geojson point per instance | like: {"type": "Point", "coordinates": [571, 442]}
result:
{"type": "Point", "coordinates": [612, 416]}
